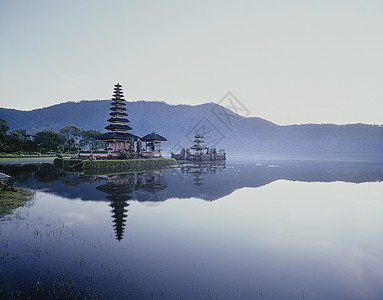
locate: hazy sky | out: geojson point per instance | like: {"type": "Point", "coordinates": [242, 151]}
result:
{"type": "Point", "coordinates": [286, 61]}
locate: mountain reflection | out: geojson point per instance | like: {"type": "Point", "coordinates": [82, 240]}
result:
{"type": "Point", "coordinates": [204, 181]}
{"type": "Point", "coordinates": [145, 187]}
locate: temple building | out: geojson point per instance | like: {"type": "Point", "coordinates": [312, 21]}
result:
{"type": "Point", "coordinates": [118, 138]}
{"type": "Point", "coordinates": [153, 145]}
{"type": "Point", "coordinates": [198, 147]}
{"type": "Point", "coordinates": [201, 152]}
{"type": "Point", "coordinates": [120, 142]}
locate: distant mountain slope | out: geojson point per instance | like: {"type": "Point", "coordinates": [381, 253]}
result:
{"type": "Point", "coordinates": [179, 123]}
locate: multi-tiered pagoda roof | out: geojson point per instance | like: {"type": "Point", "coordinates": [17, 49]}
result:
{"type": "Point", "coordinates": [198, 146]}
{"type": "Point", "coordinates": [117, 127]}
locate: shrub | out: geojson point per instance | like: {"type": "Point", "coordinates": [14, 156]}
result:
{"type": "Point", "coordinates": [123, 155]}
{"type": "Point", "coordinates": [58, 163]}
{"type": "Point", "coordinates": [129, 165]}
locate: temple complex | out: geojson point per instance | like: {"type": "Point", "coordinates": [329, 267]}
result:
{"type": "Point", "coordinates": [120, 142]}
{"type": "Point", "coordinates": [201, 152]}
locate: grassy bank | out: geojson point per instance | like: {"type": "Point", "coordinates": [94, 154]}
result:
{"type": "Point", "coordinates": [126, 165]}
{"type": "Point", "coordinates": [12, 198]}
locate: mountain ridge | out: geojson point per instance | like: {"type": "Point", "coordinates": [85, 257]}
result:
{"type": "Point", "coordinates": [220, 126]}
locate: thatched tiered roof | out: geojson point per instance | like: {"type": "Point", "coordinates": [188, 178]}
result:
{"type": "Point", "coordinates": [153, 137]}
{"type": "Point", "coordinates": [117, 127]}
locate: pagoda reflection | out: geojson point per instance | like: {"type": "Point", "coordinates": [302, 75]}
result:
{"type": "Point", "coordinates": [118, 204]}
{"type": "Point", "coordinates": [118, 187]}
{"type": "Point", "coordinates": [121, 188]}
{"type": "Point", "coordinates": [199, 170]}
{"type": "Point", "coordinates": [152, 188]}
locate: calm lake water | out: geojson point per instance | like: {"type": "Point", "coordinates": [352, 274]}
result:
{"type": "Point", "coordinates": [243, 230]}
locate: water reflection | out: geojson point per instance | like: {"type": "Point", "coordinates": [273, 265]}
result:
{"type": "Point", "coordinates": [199, 170]}
{"type": "Point", "coordinates": [286, 240]}
{"type": "Point", "coordinates": [205, 181]}
{"type": "Point", "coordinates": [144, 187]}
{"type": "Point", "coordinates": [152, 187]}
{"type": "Point", "coordinates": [118, 188]}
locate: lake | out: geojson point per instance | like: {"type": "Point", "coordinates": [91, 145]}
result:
{"type": "Point", "coordinates": [254, 229]}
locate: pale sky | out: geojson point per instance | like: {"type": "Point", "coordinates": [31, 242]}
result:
{"type": "Point", "coordinates": [287, 61]}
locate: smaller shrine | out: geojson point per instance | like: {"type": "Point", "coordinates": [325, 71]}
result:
{"type": "Point", "coordinates": [153, 145]}
{"type": "Point", "coordinates": [198, 147]}
{"type": "Point", "coordinates": [201, 152]}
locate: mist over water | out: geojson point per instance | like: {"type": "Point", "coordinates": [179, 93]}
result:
{"type": "Point", "coordinates": [242, 230]}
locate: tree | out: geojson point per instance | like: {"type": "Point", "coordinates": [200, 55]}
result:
{"type": "Point", "coordinates": [71, 134]}
{"type": "Point", "coordinates": [3, 135]}
{"type": "Point", "coordinates": [3, 129]}
{"type": "Point", "coordinates": [89, 139]}
{"type": "Point", "coordinates": [19, 140]}
{"type": "Point", "coordinates": [49, 140]}
{"type": "Point", "coordinates": [21, 134]}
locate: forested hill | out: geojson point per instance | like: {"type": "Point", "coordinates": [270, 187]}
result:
{"type": "Point", "coordinates": [222, 128]}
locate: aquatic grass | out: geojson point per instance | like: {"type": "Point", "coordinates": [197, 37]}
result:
{"type": "Point", "coordinates": [12, 198]}
{"type": "Point", "coordinates": [88, 273]}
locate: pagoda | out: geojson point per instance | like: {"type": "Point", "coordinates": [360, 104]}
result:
{"type": "Point", "coordinates": [198, 146]}
{"type": "Point", "coordinates": [118, 138]}
{"type": "Point", "coordinates": [201, 152]}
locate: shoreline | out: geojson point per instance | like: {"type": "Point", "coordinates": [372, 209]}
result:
{"type": "Point", "coordinates": [12, 198]}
